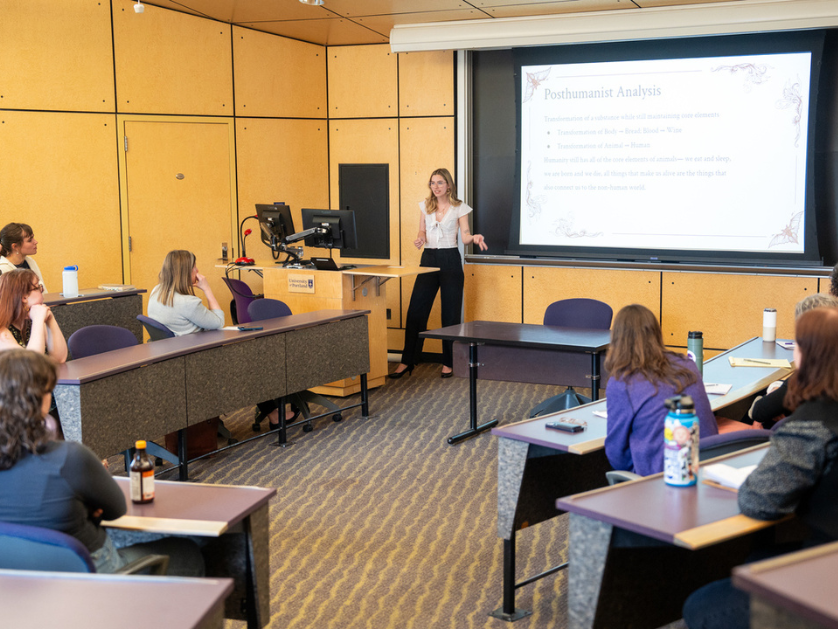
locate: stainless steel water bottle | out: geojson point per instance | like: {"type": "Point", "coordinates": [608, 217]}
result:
{"type": "Point", "coordinates": [695, 350]}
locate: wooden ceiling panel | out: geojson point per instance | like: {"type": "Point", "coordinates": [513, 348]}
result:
{"type": "Point", "coordinates": [329, 32]}
{"type": "Point", "coordinates": [356, 8]}
{"type": "Point", "coordinates": [383, 23]}
{"type": "Point", "coordinates": [645, 4]}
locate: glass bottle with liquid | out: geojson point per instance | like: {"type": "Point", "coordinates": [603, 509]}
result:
{"type": "Point", "coordinates": [142, 475]}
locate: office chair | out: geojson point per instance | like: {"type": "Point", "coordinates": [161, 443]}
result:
{"type": "Point", "coordinates": [573, 313]}
{"type": "Point", "coordinates": [271, 309]}
{"type": "Point", "coordinates": [242, 297]}
{"type": "Point", "coordinates": [97, 339]}
{"type": "Point", "coordinates": [156, 330]}
{"type": "Point", "coordinates": [24, 547]}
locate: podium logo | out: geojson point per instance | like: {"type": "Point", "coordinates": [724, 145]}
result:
{"type": "Point", "coordinates": [301, 283]}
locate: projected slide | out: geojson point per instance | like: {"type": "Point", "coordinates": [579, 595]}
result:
{"type": "Point", "coordinates": [695, 154]}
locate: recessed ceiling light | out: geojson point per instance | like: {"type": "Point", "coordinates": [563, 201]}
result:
{"type": "Point", "coordinates": [314, 3]}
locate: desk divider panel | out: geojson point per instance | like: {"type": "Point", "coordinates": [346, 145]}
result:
{"type": "Point", "coordinates": [119, 311]}
{"type": "Point", "coordinates": [143, 403]}
{"type": "Point", "coordinates": [317, 361]}
{"type": "Point", "coordinates": [234, 376]}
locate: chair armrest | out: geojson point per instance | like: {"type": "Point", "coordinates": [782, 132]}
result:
{"type": "Point", "coordinates": [155, 564]}
{"type": "Point", "coordinates": [619, 476]}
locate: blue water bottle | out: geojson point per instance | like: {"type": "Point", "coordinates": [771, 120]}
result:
{"type": "Point", "coordinates": [680, 449]}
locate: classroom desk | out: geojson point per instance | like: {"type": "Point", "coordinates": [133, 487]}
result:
{"type": "Point", "coordinates": [95, 306]}
{"type": "Point", "coordinates": [237, 520]}
{"type": "Point", "coordinates": [638, 549]}
{"type": "Point", "coordinates": [795, 591]}
{"type": "Point", "coordinates": [110, 400]}
{"type": "Point", "coordinates": [524, 336]}
{"type": "Point", "coordinates": [360, 288]}
{"type": "Point", "coordinates": [533, 467]}
{"type": "Point", "coordinates": [36, 600]}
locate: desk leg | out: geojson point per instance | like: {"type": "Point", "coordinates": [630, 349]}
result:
{"type": "Point", "coordinates": [474, 429]}
{"type": "Point", "coordinates": [257, 569]}
{"type": "Point", "coordinates": [365, 397]}
{"type": "Point", "coordinates": [183, 467]}
{"type": "Point", "coordinates": [282, 433]}
{"type": "Point", "coordinates": [595, 376]}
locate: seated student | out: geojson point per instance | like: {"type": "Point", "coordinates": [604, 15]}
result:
{"type": "Point", "coordinates": [17, 246]}
{"type": "Point", "coordinates": [61, 485]}
{"type": "Point", "coordinates": [173, 301]}
{"type": "Point", "coordinates": [798, 474]}
{"type": "Point", "coordinates": [767, 409]}
{"type": "Point", "coordinates": [643, 375]}
{"type": "Point", "coordinates": [24, 319]}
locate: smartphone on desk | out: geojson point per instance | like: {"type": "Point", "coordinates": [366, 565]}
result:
{"type": "Point", "coordinates": [564, 426]}
{"type": "Point", "coordinates": [249, 328]}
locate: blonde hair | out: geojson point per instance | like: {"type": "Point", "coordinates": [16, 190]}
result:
{"type": "Point", "coordinates": [430, 202]}
{"type": "Point", "coordinates": [176, 276]}
{"type": "Point", "coordinates": [818, 300]}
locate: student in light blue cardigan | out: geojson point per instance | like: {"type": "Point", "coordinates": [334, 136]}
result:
{"type": "Point", "coordinates": [643, 374]}
{"type": "Point", "coordinates": [173, 301]}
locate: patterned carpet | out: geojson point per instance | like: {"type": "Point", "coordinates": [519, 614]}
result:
{"type": "Point", "coordinates": [379, 523]}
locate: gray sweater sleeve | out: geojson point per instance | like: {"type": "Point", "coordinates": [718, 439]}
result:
{"type": "Point", "coordinates": [796, 459]}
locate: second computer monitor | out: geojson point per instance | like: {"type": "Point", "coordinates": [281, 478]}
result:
{"type": "Point", "coordinates": [339, 223]}
{"type": "Point", "coordinates": [275, 223]}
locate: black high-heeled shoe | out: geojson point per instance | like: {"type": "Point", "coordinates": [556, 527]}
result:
{"type": "Point", "coordinates": [398, 374]}
{"type": "Point", "coordinates": [448, 374]}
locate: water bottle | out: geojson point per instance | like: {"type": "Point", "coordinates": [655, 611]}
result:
{"type": "Point", "coordinates": [769, 325]}
{"type": "Point", "coordinates": [695, 350]}
{"type": "Point", "coordinates": [71, 281]}
{"type": "Point", "coordinates": [680, 442]}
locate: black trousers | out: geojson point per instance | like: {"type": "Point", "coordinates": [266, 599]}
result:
{"type": "Point", "coordinates": [449, 280]}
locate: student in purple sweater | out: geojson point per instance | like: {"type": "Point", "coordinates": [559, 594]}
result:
{"type": "Point", "coordinates": [644, 374]}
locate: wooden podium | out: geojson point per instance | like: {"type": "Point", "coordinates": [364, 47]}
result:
{"type": "Point", "coordinates": [362, 288]}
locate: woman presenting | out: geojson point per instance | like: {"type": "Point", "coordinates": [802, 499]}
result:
{"type": "Point", "coordinates": [441, 215]}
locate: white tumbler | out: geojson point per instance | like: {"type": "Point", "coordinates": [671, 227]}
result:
{"type": "Point", "coordinates": [769, 325]}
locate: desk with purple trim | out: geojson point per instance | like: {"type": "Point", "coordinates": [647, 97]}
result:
{"type": "Point", "coordinates": [638, 549]}
{"type": "Point", "coordinates": [95, 306]}
{"type": "Point", "coordinates": [35, 600]}
{"type": "Point", "coordinates": [110, 400]}
{"type": "Point", "coordinates": [533, 471]}
{"type": "Point", "coordinates": [235, 516]}
{"type": "Point", "coordinates": [795, 591]}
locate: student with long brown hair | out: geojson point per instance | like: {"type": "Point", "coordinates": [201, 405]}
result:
{"type": "Point", "coordinates": [643, 374]}
{"type": "Point", "coordinates": [61, 485]}
{"type": "Point", "coordinates": [25, 321]}
{"type": "Point", "coordinates": [17, 246]}
{"type": "Point", "coordinates": [798, 474]}
{"type": "Point", "coordinates": [441, 216]}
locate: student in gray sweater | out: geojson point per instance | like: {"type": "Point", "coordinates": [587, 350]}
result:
{"type": "Point", "coordinates": [173, 301]}
{"type": "Point", "coordinates": [799, 473]}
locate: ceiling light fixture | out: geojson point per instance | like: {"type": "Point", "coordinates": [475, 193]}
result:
{"type": "Point", "coordinates": [313, 3]}
{"type": "Point", "coordinates": [139, 8]}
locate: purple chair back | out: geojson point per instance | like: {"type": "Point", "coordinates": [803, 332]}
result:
{"type": "Point", "coordinates": [24, 547]}
{"type": "Point", "coordinates": [155, 329]}
{"type": "Point", "coordinates": [243, 297]}
{"type": "Point", "coordinates": [267, 309]}
{"type": "Point", "coordinates": [725, 443]}
{"type": "Point", "coordinates": [579, 313]}
{"type": "Point", "coordinates": [95, 339]}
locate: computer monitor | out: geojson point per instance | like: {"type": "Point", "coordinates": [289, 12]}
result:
{"type": "Point", "coordinates": [275, 223]}
{"type": "Point", "coordinates": [339, 223]}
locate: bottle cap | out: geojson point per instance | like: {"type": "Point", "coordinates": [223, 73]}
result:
{"type": "Point", "coordinates": [680, 404]}
{"type": "Point", "coordinates": [140, 445]}
{"type": "Point", "coordinates": [74, 267]}
{"type": "Point", "coordinates": [695, 335]}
